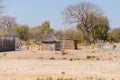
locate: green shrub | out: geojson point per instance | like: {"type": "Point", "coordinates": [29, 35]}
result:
{"type": "Point", "coordinates": [71, 59]}
{"type": "Point", "coordinates": [49, 78]}
{"type": "Point", "coordinates": [89, 57]}
{"type": "Point", "coordinates": [98, 59]}
{"type": "Point", "coordinates": [92, 57]}
{"type": "Point", "coordinates": [52, 58]}
{"type": "Point", "coordinates": [93, 52]}
{"type": "Point", "coordinates": [40, 79]}
{"type": "Point", "coordinates": [4, 54]}
{"type": "Point", "coordinates": [57, 53]}
{"type": "Point", "coordinates": [59, 78]}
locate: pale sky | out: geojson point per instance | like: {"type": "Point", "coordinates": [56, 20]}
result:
{"type": "Point", "coordinates": [35, 12]}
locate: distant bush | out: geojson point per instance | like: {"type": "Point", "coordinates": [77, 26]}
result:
{"type": "Point", "coordinates": [71, 59]}
{"type": "Point", "coordinates": [57, 53]}
{"type": "Point", "coordinates": [114, 35]}
{"type": "Point", "coordinates": [92, 78]}
{"type": "Point", "coordinates": [52, 58]}
{"type": "Point", "coordinates": [92, 57]}
{"type": "Point", "coordinates": [4, 54]}
{"type": "Point", "coordinates": [49, 78]}
{"type": "Point", "coordinates": [89, 57]}
{"type": "Point", "coordinates": [98, 59]}
{"type": "Point", "coordinates": [93, 52]}
{"type": "Point", "coordinates": [39, 57]}
{"type": "Point", "coordinates": [60, 78]}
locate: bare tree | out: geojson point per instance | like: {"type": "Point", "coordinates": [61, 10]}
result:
{"type": "Point", "coordinates": [1, 10]}
{"type": "Point", "coordinates": [59, 34]}
{"type": "Point", "coordinates": [81, 14]}
{"type": "Point", "coordinates": [7, 22]}
{"type": "Point", "coordinates": [1, 6]}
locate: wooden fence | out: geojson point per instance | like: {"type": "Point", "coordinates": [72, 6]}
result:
{"type": "Point", "coordinates": [69, 44]}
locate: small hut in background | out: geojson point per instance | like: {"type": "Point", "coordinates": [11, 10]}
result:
{"type": "Point", "coordinates": [68, 43]}
{"type": "Point", "coordinates": [51, 42]}
{"type": "Point", "coordinates": [7, 44]}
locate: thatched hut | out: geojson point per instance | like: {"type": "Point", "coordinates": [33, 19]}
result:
{"type": "Point", "coordinates": [7, 44]}
{"type": "Point", "coordinates": [68, 43]}
{"type": "Point", "coordinates": [51, 42]}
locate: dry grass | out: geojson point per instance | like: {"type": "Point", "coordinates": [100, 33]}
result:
{"type": "Point", "coordinates": [76, 64]}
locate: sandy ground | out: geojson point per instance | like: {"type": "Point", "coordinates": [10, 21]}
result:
{"type": "Point", "coordinates": [33, 69]}
{"type": "Point", "coordinates": [32, 64]}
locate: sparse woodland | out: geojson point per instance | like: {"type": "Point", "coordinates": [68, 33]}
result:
{"type": "Point", "coordinates": [91, 25]}
{"type": "Point", "coordinates": [63, 58]}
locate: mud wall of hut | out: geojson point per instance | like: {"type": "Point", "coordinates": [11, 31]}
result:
{"type": "Point", "coordinates": [48, 46]}
{"type": "Point", "coordinates": [69, 44]}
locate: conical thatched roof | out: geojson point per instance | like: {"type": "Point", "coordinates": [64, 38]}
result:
{"type": "Point", "coordinates": [50, 38]}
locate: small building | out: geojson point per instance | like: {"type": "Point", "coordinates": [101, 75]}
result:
{"type": "Point", "coordinates": [7, 44]}
{"type": "Point", "coordinates": [51, 42]}
{"type": "Point", "coordinates": [68, 43]}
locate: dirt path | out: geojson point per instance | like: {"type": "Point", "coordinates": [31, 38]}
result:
{"type": "Point", "coordinates": [33, 68]}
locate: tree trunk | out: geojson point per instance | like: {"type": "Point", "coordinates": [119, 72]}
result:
{"type": "Point", "coordinates": [87, 40]}
{"type": "Point", "coordinates": [86, 37]}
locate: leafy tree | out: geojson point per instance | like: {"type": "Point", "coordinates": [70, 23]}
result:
{"type": "Point", "coordinates": [59, 34]}
{"type": "Point", "coordinates": [69, 33]}
{"type": "Point", "coordinates": [45, 27]}
{"type": "Point", "coordinates": [73, 34]}
{"type": "Point", "coordinates": [99, 28]}
{"type": "Point", "coordinates": [114, 35]}
{"type": "Point", "coordinates": [22, 32]}
{"type": "Point", "coordinates": [82, 14]}
{"type": "Point", "coordinates": [38, 32]}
